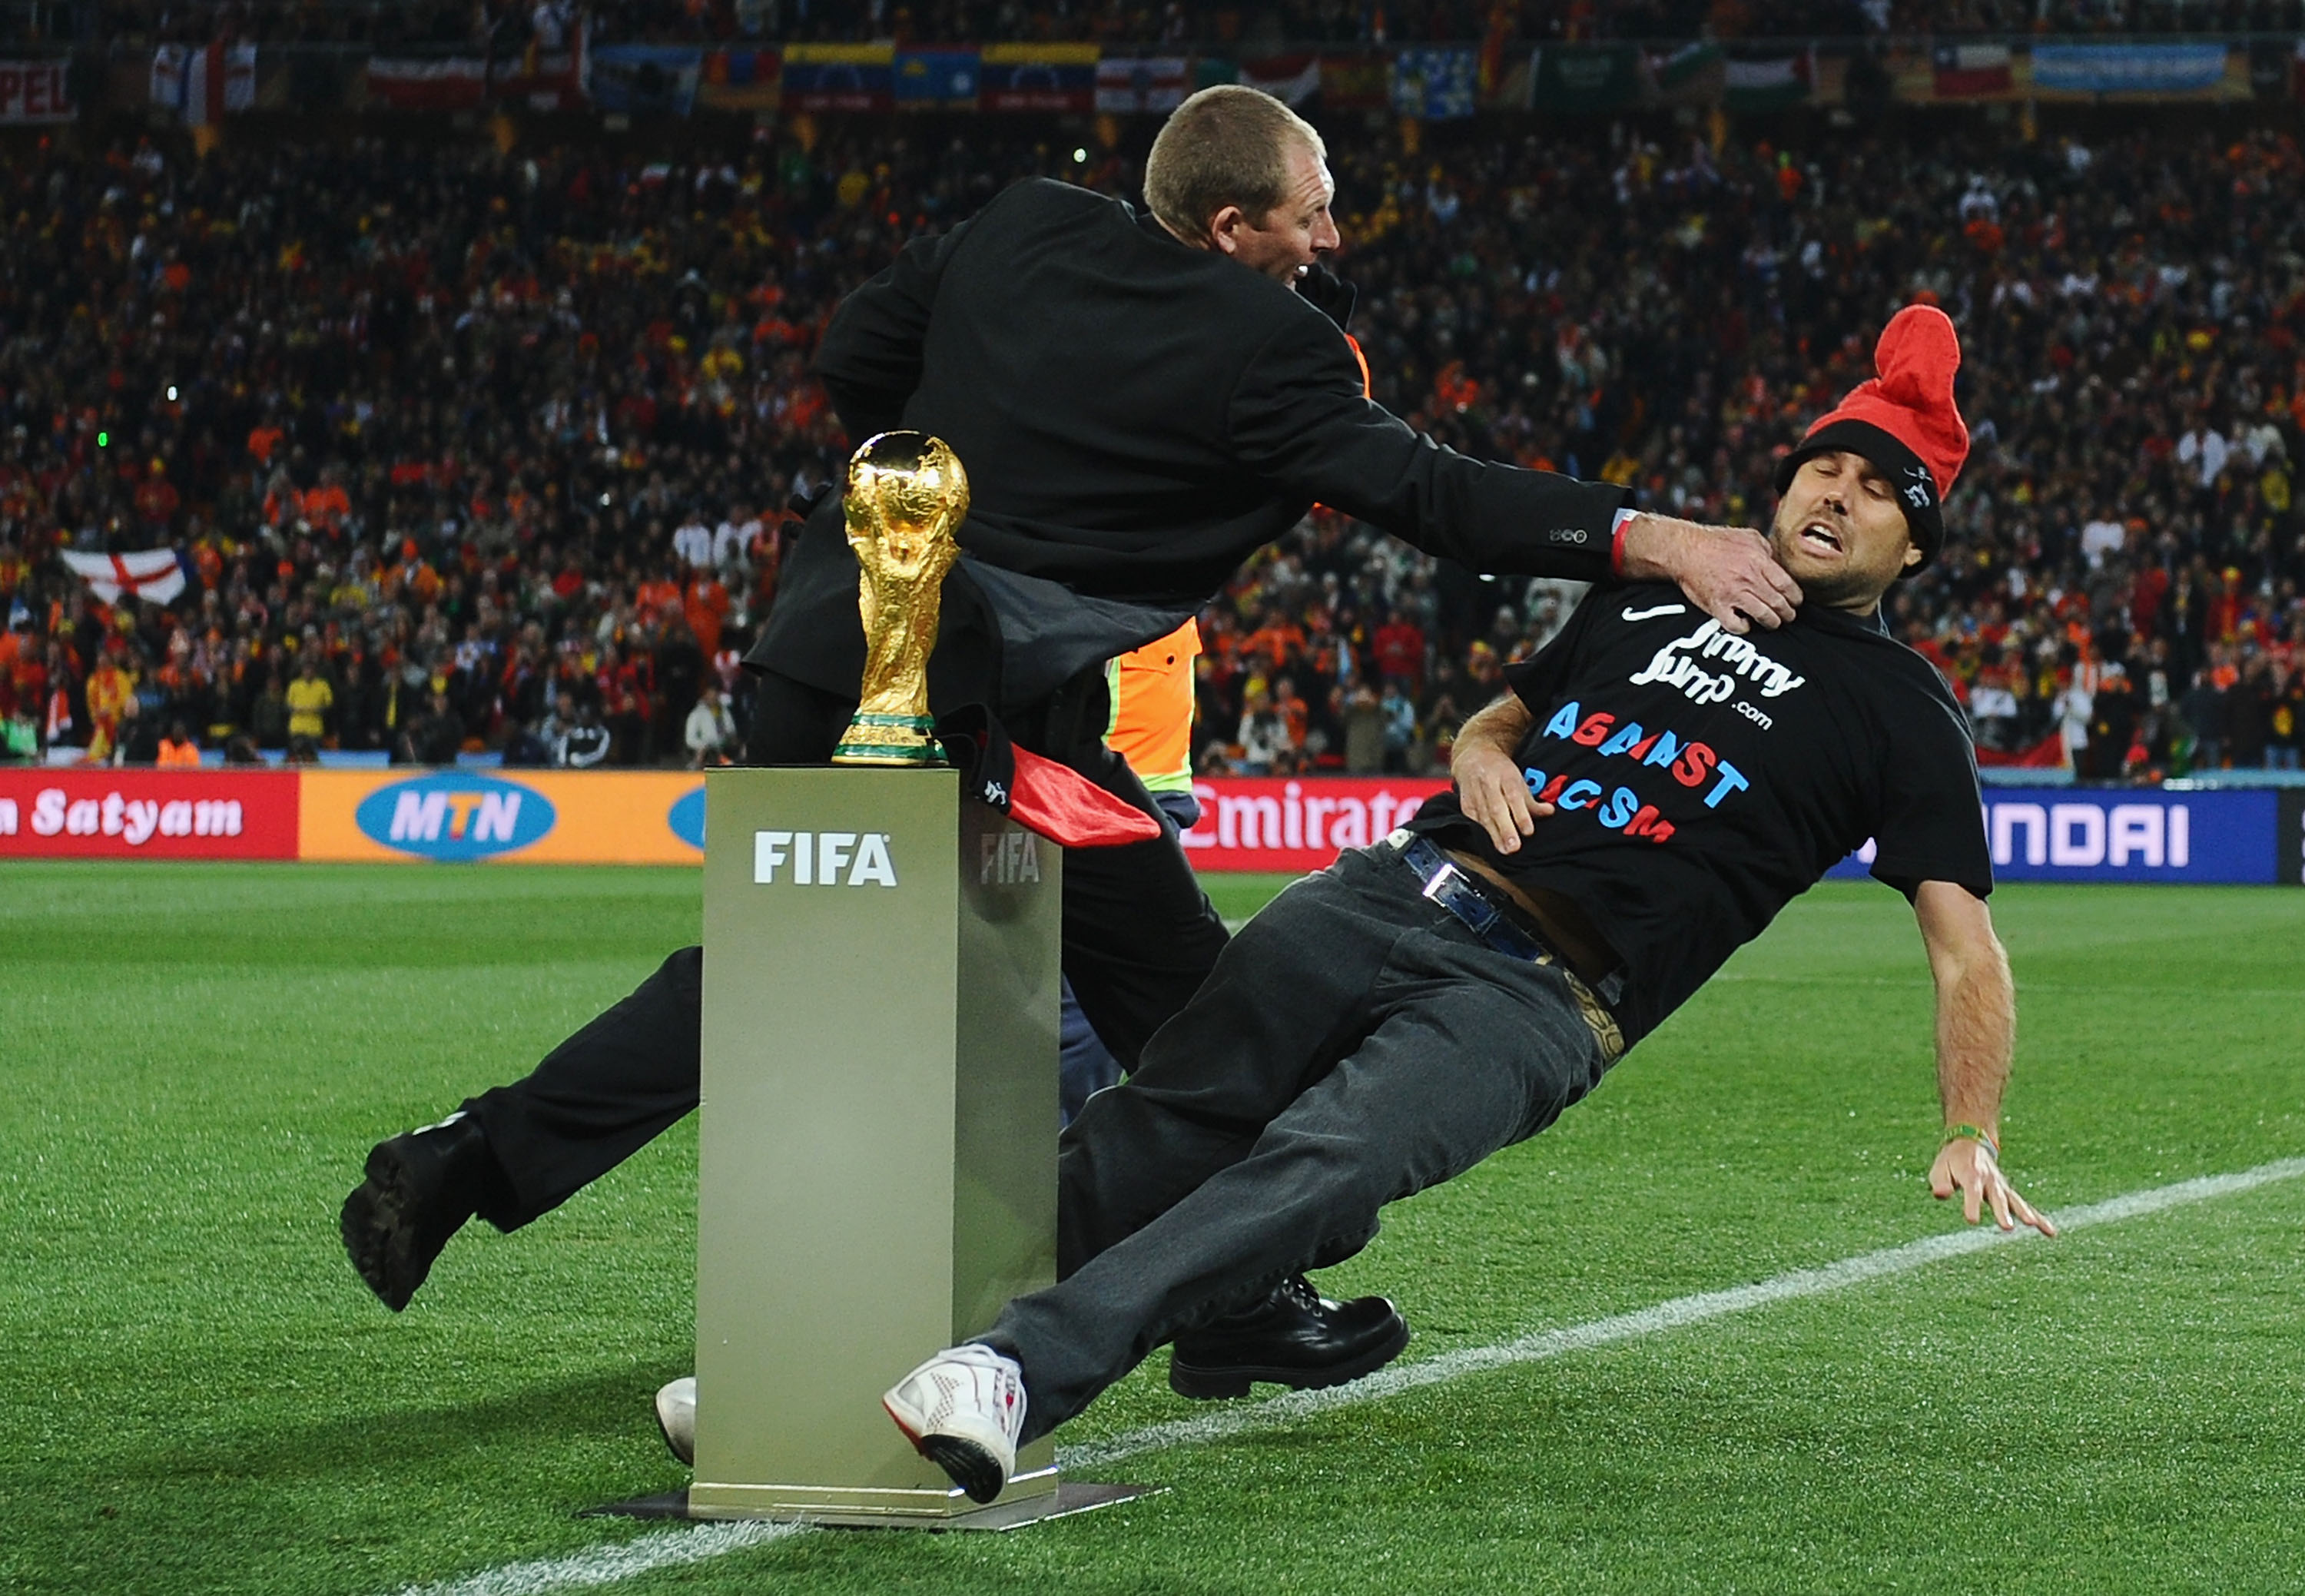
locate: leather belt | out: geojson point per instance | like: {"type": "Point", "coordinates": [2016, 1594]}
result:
{"type": "Point", "coordinates": [1463, 894]}
{"type": "Point", "coordinates": [1466, 896]}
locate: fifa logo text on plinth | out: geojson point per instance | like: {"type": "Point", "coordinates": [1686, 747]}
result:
{"type": "Point", "coordinates": [822, 860]}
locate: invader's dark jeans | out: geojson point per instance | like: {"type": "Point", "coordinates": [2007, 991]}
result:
{"type": "Point", "coordinates": [1139, 936]}
{"type": "Point", "coordinates": [1356, 1042]}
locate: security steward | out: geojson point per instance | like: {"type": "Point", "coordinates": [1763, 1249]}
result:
{"type": "Point", "coordinates": [1151, 728]}
{"type": "Point", "coordinates": [1142, 402]}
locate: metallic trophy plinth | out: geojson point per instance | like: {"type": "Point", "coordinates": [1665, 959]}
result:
{"type": "Point", "coordinates": [877, 1168]}
{"type": "Point", "coordinates": [876, 1172]}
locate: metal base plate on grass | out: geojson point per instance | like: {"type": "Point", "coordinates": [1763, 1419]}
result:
{"type": "Point", "coordinates": [1069, 1497]}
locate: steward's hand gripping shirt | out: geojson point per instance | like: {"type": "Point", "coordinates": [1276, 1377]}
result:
{"type": "Point", "coordinates": [1703, 779]}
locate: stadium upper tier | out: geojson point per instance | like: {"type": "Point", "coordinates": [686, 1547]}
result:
{"type": "Point", "coordinates": [513, 23]}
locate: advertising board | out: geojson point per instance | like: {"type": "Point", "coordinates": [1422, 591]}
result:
{"type": "Point", "coordinates": [1270, 822]}
{"type": "Point", "coordinates": [34, 93]}
{"type": "Point", "coordinates": [540, 817]}
{"type": "Point", "coordinates": [147, 814]}
{"type": "Point", "coordinates": [1263, 823]}
{"type": "Point", "coordinates": [2072, 834]}
{"type": "Point", "coordinates": [2060, 833]}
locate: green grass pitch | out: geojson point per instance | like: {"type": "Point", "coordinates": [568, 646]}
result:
{"type": "Point", "coordinates": [196, 1395]}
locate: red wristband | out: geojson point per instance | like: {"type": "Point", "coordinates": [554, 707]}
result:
{"type": "Point", "coordinates": [1617, 543]}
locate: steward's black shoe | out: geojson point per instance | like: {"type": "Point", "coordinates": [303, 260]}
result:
{"type": "Point", "coordinates": [1295, 1338]}
{"type": "Point", "coordinates": [421, 1189]}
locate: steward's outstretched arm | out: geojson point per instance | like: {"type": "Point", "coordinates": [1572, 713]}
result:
{"type": "Point", "coordinates": [1729, 571]}
{"type": "Point", "coordinates": [1976, 1037]}
{"type": "Point", "coordinates": [1297, 418]}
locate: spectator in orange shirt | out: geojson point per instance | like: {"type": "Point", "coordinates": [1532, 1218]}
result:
{"type": "Point", "coordinates": [1276, 638]}
{"type": "Point", "coordinates": [1291, 707]}
{"type": "Point", "coordinates": [659, 597]}
{"type": "Point", "coordinates": [328, 506]}
{"type": "Point", "coordinates": [706, 605]}
{"type": "Point", "coordinates": [178, 751]}
{"type": "Point", "coordinates": [262, 440]}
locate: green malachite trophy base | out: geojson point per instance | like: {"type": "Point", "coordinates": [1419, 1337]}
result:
{"type": "Point", "coordinates": [888, 739]}
{"type": "Point", "coordinates": [877, 1157]}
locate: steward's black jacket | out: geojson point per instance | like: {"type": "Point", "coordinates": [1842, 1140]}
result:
{"type": "Point", "coordinates": [1137, 417]}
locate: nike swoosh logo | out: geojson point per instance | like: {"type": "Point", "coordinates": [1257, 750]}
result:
{"type": "Point", "coordinates": [1653, 614]}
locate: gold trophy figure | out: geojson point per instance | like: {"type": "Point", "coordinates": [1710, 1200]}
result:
{"type": "Point", "coordinates": [906, 495]}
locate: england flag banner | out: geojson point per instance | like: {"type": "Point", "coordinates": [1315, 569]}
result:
{"type": "Point", "coordinates": [202, 83]}
{"type": "Point", "coordinates": [152, 575]}
{"type": "Point", "coordinates": [1140, 85]}
{"type": "Point", "coordinates": [1292, 80]}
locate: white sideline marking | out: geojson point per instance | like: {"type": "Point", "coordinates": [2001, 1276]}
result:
{"type": "Point", "coordinates": [673, 1549]}
{"type": "Point", "coordinates": [607, 1564]}
{"type": "Point", "coordinates": [1664, 1316]}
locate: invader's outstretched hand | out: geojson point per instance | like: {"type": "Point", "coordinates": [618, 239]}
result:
{"type": "Point", "coordinates": [1969, 1166]}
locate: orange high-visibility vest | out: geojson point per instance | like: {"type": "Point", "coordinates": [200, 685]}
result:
{"type": "Point", "coordinates": [1152, 723]}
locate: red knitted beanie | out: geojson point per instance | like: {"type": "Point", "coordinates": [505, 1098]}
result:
{"type": "Point", "coordinates": [1904, 421]}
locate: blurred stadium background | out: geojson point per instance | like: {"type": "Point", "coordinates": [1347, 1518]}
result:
{"type": "Point", "coordinates": [426, 386]}
{"type": "Point", "coordinates": [458, 386]}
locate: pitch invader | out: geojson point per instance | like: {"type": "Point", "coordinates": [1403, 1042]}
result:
{"type": "Point", "coordinates": [1644, 802]}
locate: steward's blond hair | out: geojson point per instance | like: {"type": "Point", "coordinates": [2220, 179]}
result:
{"type": "Point", "coordinates": [1228, 145]}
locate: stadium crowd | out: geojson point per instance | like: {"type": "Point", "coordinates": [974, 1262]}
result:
{"type": "Point", "coordinates": [509, 25]}
{"type": "Point", "coordinates": [467, 451]}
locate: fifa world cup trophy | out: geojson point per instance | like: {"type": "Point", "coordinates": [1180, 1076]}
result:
{"type": "Point", "coordinates": [906, 495]}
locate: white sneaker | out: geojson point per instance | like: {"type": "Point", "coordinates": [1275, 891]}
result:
{"type": "Point", "coordinates": [963, 1410]}
{"type": "Point", "coordinates": [675, 1415]}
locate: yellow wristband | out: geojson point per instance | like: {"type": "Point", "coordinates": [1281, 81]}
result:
{"type": "Point", "coordinates": [1976, 1133]}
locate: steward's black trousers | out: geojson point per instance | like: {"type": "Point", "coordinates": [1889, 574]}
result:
{"type": "Point", "coordinates": [1139, 938]}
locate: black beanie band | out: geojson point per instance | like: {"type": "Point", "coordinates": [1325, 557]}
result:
{"type": "Point", "coordinates": [1916, 491]}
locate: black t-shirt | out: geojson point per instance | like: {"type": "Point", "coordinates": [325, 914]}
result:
{"type": "Point", "coordinates": [1704, 780]}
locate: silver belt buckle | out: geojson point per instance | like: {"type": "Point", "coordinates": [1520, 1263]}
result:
{"type": "Point", "coordinates": [1441, 881]}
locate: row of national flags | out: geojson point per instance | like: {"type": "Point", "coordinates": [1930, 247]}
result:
{"type": "Point", "coordinates": [1432, 83]}
{"type": "Point", "coordinates": [205, 84]}
{"type": "Point", "coordinates": [2064, 70]}
{"type": "Point", "coordinates": [881, 77]}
